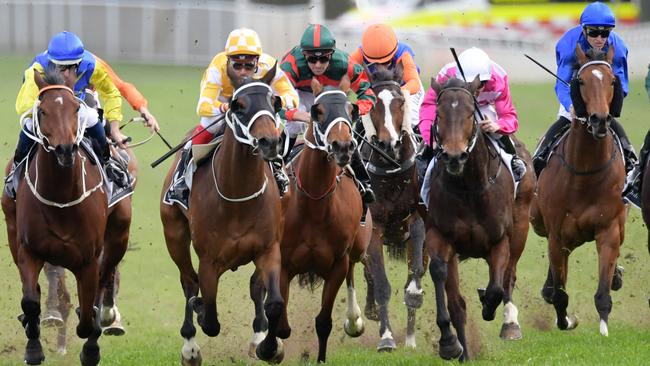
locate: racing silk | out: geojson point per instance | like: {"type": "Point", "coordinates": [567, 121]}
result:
{"type": "Point", "coordinates": [90, 73]}
{"type": "Point", "coordinates": [411, 80]}
{"type": "Point", "coordinates": [127, 90]}
{"type": "Point", "coordinates": [295, 66]}
{"type": "Point", "coordinates": [216, 87]}
{"type": "Point", "coordinates": [567, 64]}
{"type": "Point", "coordinates": [494, 100]}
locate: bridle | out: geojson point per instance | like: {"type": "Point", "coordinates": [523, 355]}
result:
{"type": "Point", "coordinates": [475, 129]}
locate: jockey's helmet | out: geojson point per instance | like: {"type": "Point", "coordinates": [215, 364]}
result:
{"type": "Point", "coordinates": [379, 43]}
{"type": "Point", "coordinates": [597, 14]}
{"type": "Point", "coordinates": [65, 48]}
{"type": "Point", "coordinates": [243, 43]}
{"type": "Point", "coordinates": [475, 62]}
{"type": "Point", "coordinates": [318, 40]}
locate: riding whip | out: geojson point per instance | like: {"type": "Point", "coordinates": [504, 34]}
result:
{"type": "Point", "coordinates": [547, 70]}
{"type": "Point", "coordinates": [378, 150]}
{"type": "Point", "coordinates": [460, 68]}
{"type": "Point", "coordinates": [157, 132]}
{"type": "Point", "coordinates": [180, 146]}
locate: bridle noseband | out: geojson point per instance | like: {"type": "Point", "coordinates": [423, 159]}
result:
{"type": "Point", "coordinates": [336, 98]}
{"type": "Point", "coordinates": [242, 129]}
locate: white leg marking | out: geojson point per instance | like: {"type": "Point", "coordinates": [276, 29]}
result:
{"type": "Point", "coordinates": [413, 288]}
{"type": "Point", "coordinates": [603, 328]}
{"type": "Point", "coordinates": [510, 313]}
{"type": "Point", "coordinates": [387, 335]}
{"type": "Point", "coordinates": [258, 337]}
{"type": "Point", "coordinates": [410, 341]}
{"type": "Point", "coordinates": [190, 349]}
{"type": "Point", "coordinates": [354, 311]}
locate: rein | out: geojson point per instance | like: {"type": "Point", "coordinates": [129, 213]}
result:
{"type": "Point", "coordinates": [574, 171]}
{"type": "Point", "coordinates": [330, 191]}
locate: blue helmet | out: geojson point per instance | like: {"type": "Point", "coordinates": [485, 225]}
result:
{"type": "Point", "coordinates": [597, 14]}
{"type": "Point", "coordinates": [65, 48]}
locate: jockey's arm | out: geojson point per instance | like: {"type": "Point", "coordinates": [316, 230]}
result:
{"type": "Point", "coordinates": [28, 91]}
{"type": "Point", "coordinates": [209, 105]}
{"type": "Point", "coordinates": [360, 83]}
{"type": "Point", "coordinates": [427, 115]}
{"type": "Point", "coordinates": [111, 100]}
{"type": "Point", "coordinates": [507, 115]}
{"type": "Point", "coordinates": [565, 72]}
{"type": "Point", "coordinates": [411, 77]}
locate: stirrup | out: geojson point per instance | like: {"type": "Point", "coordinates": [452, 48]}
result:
{"type": "Point", "coordinates": [518, 168]}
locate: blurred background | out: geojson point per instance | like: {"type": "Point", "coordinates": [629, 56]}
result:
{"type": "Point", "coordinates": [183, 32]}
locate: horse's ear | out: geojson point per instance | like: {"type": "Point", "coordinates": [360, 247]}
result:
{"type": "Point", "coordinates": [475, 84]}
{"type": "Point", "coordinates": [314, 112]}
{"type": "Point", "coordinates": [345, 84]}
{"type": "Point", "coordinates": [610, 55]}
{"type": "Point", "coordinates": [580, 55]}
{"type": "Point", "coordinates": [316, 87]}
{"type": "Point", "coordinates": [435, 86]}
{"type": "Point", "coordinates": [268, 77]}
{"type": "Point", "coordinates": [234, 106]}
{"type": "Point", "coordinates": [355, 112]}
{"type": "Point", "coordinates": [38, 79]}
{"type": "Point", "coordinates": [398, 74]}
{"type": "Point", "coordinates": [277, 103]}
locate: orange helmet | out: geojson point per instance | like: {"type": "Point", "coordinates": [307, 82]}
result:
{"type": "Point", "coordinates": [379, 43]}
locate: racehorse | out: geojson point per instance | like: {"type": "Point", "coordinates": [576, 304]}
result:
{"type": "Point", "coordinates": [394, 212]}
{"type": "Point", "coordinates": [322, 234]}
{"type": "Point", "coordinates": [579, 193]}
{"type": "Point", "coordinates": [474, 211]}
{"type": "Point", "coordinates": [234, 216]}
{"type": "Point", "coordinates": [67, 224]}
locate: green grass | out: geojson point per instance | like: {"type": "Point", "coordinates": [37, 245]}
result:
{"type": "Point", "coordinates": [151, 301]}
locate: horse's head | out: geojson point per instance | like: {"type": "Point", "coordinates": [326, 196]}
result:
{"type": "Point", "coordinates": [596, 93]}
{"type": "Point", "coordinates": [332, 117]}
{"type": "Point", "coordinates": [252, 113]}
{"type": "Point", "coordinates": [456, 129]}
{"type": "Point", "coordinates": [389, 114]}
{"type": "Point", "coordinates": [56, 123]}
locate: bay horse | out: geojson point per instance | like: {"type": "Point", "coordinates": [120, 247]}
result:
{"type": "Point", "coordinates": [234, 216]}
{"type": "Point", "coordinates": [579, 193]}
{"type": "Point", "coordinates": [67, 224]}
{"type": "Point", "coordinates": [474, 212]}
{"type": "Point", "coordinates": [323, 238]}
{"type": "Point", "coordinates": [395, 210]}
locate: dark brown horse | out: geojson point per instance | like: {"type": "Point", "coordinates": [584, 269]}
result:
{"type": "Point", "coordinates": [579, 192]}
{"type": "Point", "coordinates": [67, 224]}
{"type": "Point", "coordinates": [394, 212]}
{"type": "Point", "coordinates": [322, 235]}
{"type": "Point", "coordinates": [234, 217]}
{"type": "Point", "coordinates": [474, 212]}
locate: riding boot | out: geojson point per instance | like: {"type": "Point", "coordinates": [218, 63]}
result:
{"type": "Point", "coordinates": [280, 176]}
{"type": "Point", "coordinates": [362, 177]}
{"type": "Point", "coordinates": [517, 164]}
{"type": "Point", "coordinates": [545, 145]}
{"type": "Point", "coordinates": [628, 150]}
{"type": "Point", "coordinates": [22, 149]}
{"type": "Point", "coordinates": [179, 190]}
{"type": "Point", "coordinates": [287, 143]}
{"type": "Point", "coordinates": [632, 190]}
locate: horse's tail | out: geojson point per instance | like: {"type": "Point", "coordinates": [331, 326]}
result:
{"type": "Point", "coordinates": [310, 280]}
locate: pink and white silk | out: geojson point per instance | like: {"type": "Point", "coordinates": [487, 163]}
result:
{"type": "Point", "coordinates": [495, 97]}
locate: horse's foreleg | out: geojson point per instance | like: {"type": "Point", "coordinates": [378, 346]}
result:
{"type": "Point", "coordinates": [510, 329]}
{"type": "Point", "coordinates": [493, 294]}
{"type": "Point", "coordinates": [608, 246]}
{"type": "Point", "coordinates": [456, 306]}
{"type": "Point", "coordinates": [284, 330]}
{"type": "Point", "coordinates": [370, 309]}
{"type": "Point", "coordinates": [88, 327]}
{"type": "Point", "coordinates": [353, 325]}
{"type": "Point", "coordinates": [207, 310]}
{"type": "Point", "coordinates": [52, 316]}
{"type": "Point", "coordinates": [330, 289]}
{"type": "Point", "coordinates": [64, 308]}
{"type": "Point", "coordinates": [375, 265]}
{"type": "Point", "coordinates": [268, 266]}
{"type": "Point", "coordinates": [440, 252]}
{"type": "Point", "coordinates": [260, 323]}
{"type": "Point", "coordinates": [559, 258]}
{"type": "Point", "coordinates": [413, 293]}
{"type": "Point", "coordinates": [29, 268]}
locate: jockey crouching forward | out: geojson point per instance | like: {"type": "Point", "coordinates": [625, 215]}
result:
{"type": "Point", "coordinates": [243, 54]}
{"type": "Point", "coordinates": [495, 103]}
{"type": "Point", "coordinates": [66, 53]}
{"type": "Point", "coordinates": [318, 58]}
{"type": "Point", "coordinates": [379, 45]}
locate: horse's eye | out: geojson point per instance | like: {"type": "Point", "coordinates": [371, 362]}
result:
{"type": "Point", "coordinates": [581, 82]}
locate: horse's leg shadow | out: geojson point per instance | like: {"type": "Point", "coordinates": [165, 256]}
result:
{"type": "Point", "coordinates": [30, 268]}
{"type": "Point", "coordinates": [413, 293]}
{"type": "Point", "coordinates": [382, 291]}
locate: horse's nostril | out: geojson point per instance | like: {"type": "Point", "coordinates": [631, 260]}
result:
{"type": "Point", "coordinates": [463, 156]}
{"type": "Point", "coordinates": [444, 156]}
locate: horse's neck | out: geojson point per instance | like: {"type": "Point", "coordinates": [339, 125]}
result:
{"type": "Point", "coordinates": [316, 170]}
{"type": "Point", "coordinates": [55, 182]}
{"type": "Point", "coordinates": [477, 168]}
{"type": "Point", "coordinates": [583, 151]}
{"type": "Point", "coordinates": [237, 168]}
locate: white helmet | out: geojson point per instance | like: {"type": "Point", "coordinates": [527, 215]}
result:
{"type": "Point", "coordinates": [475, 62]}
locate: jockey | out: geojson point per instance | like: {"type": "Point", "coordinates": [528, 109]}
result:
{"type": "Point", "coordinates": [379, 45]}
{"type": "Point", "coordinates": [594, 31]}
{"type": "Point", "coordinates": [317, 57]}
{"type": "Point", "coordinates": [243, 53]}
{"type": "Point", "coordinates": [495, 102]}
{"type": "Point", "coordinates": [66, 53]}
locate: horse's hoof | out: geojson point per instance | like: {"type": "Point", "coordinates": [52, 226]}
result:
{"type": "Point", "coordinates": [191, 353]}
{"type": "Point", "coordinates": [510, 332]}
{"type": "Point", "coordinates": [386, 345]}
{"type": "Point", "coordinates": [89, 355]}
{"type": "Point", "coordinates": [354, 330]}
{"type": "Point", "coordinates": [371, 312]}
{"type": "Point", "coordinates": [272, 358]}
{"type": "Point", "coordinates": [52, 318]}
{"type": "Point", "coordinates": [116, 329]}
{"type": "Point", "coordinates": [34, 352]}
{"type": "Point", "coordinates": [413, 300]}
{"type": "Point", "coordinates": [193, 361]}
{"type": "Point", "coordinates": [61, 351]}
{"type": "Point", "coordinates": [572, 322]}
{"type": "Point", "coordinates": [603, 328]}
{"type": "Point", "coordinates": [255, 341]}
{"type": "Point", "coordinates": [107, 316]}
{"type": "Point", "coordinates": [617, 280]}
{"type": "Point", "coordinates": [211, 330]}
{"type": "Point", "coordinates": [451, 349]}
{"type": "Point", "coordinates": [547, 294]}
{"type": "Point", "coordinates": [409, 341]}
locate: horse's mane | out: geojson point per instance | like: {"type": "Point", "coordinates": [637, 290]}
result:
{"type": "Point", "coordinates": [596, 55]}
{"type": "Point", "coordinates": [53, 77]}
{"type": "Point", "coordinates": [383, 74]}
{"type": "Point", "coordinates": [455, 83]}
